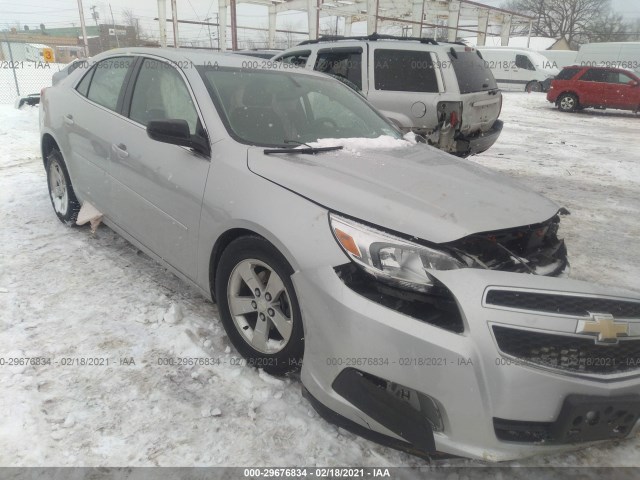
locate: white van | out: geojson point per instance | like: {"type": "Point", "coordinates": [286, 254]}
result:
{"type": "Point", "coordinates": [560, 58]}
{"type": "Point", "coordinates": [519, 69]}
{"type": "Point", "coordinates": [611, 54]}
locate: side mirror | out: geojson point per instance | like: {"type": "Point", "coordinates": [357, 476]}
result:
{"type": "Point", "coordinates": [176, 132]}
{"type": "Point", "coordinates": [633, 83]}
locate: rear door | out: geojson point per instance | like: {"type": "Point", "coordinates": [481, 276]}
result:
{"type": "Point", "coordinates": [157, 187]}
{"type": "Point", "coordinates": [404, 84]}
{"type": "Point", "coordinates": [91, 121]}
{"type": "Point", "coordinates": [590, 87]}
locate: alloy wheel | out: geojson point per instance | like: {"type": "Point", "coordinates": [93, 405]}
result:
{"type": "Point", "coordinates": [260, 306]}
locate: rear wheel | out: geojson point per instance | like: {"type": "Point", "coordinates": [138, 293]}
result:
{"type": "Point", "coordinates": [258, 305]}
{"type": "Point", "coordinates": [533, 87]}
{"type": "Point", "coordinates": [568, 102]}
{"type": "Point", "coordinates": [63, 198]}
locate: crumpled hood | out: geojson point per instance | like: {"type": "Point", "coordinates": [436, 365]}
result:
{"type": "Point", "coordinates": [416, 190]}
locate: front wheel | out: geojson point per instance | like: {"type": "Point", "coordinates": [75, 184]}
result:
{"type": "Point", "coordinates": [61, 193]}
{"type": "Point", "coordinates": [568, 102]}
{"type": "Point", "coordinates": [533, 87]}
{"type": "Point", "coordinates": [258, 305]}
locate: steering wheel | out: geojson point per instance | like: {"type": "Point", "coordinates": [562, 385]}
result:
{"type": "Point", "coordinates": [328, 120]}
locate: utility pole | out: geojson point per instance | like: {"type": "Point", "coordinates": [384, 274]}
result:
{"type": "Point", "coordinates": [174, 17]}
{"type": "Point", "coordinates": [162, 19]}
{"type": "Point", "coordinates": [96, 16]}
{"type": "Point", "coordinates": [209, 30]}
{"type": "Point", "coordinates": [115, 30]}
{"type": "Point", "coordinates": [84, 29]}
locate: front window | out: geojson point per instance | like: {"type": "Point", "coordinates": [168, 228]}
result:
{"type": "Point", "coordinates": [271, 108]}
{"type": "Point", "coordinates": [522, 61]}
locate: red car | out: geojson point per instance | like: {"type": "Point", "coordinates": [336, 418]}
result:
{"type": "Point", "coordinates": [577, 87]}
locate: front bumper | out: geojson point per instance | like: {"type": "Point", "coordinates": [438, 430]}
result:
{"type": "Point", "coordinates": [463, 373]}
{"type": "Point", "coordinates": [479, 143]}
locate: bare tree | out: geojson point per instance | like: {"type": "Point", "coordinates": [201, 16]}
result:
{"type": "Point", "coordinates": [610, 28]}
{"type": "Point", "coordinates": [571, 19]}
{"type": "Point", "coordinates": [131, 20]}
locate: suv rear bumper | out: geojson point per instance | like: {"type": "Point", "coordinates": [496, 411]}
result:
{"type": "Point", "coordinates": [479, 143]}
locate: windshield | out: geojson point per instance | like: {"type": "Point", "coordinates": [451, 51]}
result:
{"type": "Point", "coordinates": [270, 108]}
{"type": "Point", "coordinates": [472, 72]}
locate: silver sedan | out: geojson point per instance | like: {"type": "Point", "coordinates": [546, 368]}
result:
{"type": "Point", "coordinates": [423, 297]}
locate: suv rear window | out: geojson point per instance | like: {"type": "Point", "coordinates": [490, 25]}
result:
{"type": "Point", "coordinates": [472, 72]}
{"type": "Point", "coordinates": [567, 73]}
{"type": "Point", "coordinates": [404, 71]}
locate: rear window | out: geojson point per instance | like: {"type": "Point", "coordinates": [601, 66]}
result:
{"type": "Point", "coordinates": [404, 71]}
{"type": "Point", "coordinates": [595, 75]}
{"type": "Point", "coordinates": [567, 74]}
{"type": "Point", "coordinates": [472, 72]}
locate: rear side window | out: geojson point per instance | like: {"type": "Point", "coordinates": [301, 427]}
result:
{"type": "Point", "coordinates": [595, 75]}
{"type": "Point", "coordinates": [522, 61]}
{"type": "Point", "coordinates": [618, 77]}
{"type": "Point", "coordinates": [83, 86]}
{"type": "Point", "coordinates": [472, 72]}
{"type": "Point", "coordinates": [404, 71]}
{"type": "Point", "coordinates": [567, 74]}
{"type": "Point", "coordinates": [107, 81]}
{"type": "Point", "coordinates": [298, 59]}
{"type": "Point", "coordinates": [341, 63]}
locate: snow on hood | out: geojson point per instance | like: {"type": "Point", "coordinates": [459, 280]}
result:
{"type": "Point", "coordinates": [410, 188]}
{"type": "Point", "coordinates": [357, 145]}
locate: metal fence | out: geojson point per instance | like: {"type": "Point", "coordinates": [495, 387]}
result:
{"type": "Point", "coordinates": [20, 75]}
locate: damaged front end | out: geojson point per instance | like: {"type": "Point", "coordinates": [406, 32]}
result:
{"type": "Point", "coordinates": [395, 272]}
{"type": "Point", "coordinates": [534, 249]}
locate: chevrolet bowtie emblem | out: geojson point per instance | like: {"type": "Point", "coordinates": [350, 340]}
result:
{"type": "Point", "coordinates": [605, 326]}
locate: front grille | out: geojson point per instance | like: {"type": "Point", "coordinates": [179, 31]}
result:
{"type": "Point", "coordinates": [567, 353]}
{"type": "Point", "coordinates": [563, 304]}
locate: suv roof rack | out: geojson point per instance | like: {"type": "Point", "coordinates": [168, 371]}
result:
{"type": "Point", "coordinates": [373, 37]}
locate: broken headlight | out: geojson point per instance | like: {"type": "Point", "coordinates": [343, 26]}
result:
{"type": "Point", "coordinates": [389, 258]}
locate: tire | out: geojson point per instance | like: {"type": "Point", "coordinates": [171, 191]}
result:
{"type": "Point", "coordinates": [265, 325]}
{"type": "Point", "coordinates": [63, 198]}
{"type": "Point", "coordinates": [568, 102]}
{"type": "Point", "coordinates": [533, 87]}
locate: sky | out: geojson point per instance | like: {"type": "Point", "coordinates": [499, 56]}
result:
{"type": "Point", "coordinates": [64, 13]}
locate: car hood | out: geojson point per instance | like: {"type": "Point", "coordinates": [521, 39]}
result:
{"type": "Point", "coordinates": [416, 190]}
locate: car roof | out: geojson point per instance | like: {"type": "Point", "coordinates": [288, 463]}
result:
{"type": "Point", "coordinates": [200, 57]}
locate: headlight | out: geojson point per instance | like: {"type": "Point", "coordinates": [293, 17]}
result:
{"type": "Point", "coordinates": [390, 258]}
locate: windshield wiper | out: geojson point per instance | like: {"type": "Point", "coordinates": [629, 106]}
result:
{"type": "Point", "coordinates": [309, 150]}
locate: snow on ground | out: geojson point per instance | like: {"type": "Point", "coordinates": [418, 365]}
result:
{"type": "Point", "coordinates": [68, 294]}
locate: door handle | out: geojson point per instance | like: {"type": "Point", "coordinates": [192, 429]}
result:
{"type": "Point", "coordinates": [120, 150]}
{"type": "Point", "coordinates": [68, 119]}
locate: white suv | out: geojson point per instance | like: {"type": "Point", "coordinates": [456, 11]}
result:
{"type": "Point", "coordinates": [442, 91]}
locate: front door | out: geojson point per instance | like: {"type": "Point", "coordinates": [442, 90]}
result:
{"type": "Point", "coordinates": [157, 187]}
